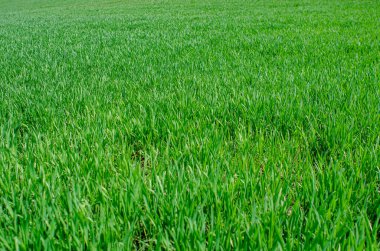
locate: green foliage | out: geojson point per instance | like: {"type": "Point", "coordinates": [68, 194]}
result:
{"type": "Point", "coordinates": [189, 125]}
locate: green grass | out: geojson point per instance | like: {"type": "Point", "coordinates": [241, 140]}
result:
{"type": "Point", "coordinates": [189, 125]}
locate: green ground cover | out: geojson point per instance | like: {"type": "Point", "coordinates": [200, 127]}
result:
{"type": "Point", "coordinates": [189, 125]}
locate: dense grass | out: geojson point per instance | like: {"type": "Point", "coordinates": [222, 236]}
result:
{"type": "Point", "coordinates": [189, 124]}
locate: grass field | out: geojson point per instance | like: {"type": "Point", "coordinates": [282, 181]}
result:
{"type": "Point", "coordinates": [189, 125]}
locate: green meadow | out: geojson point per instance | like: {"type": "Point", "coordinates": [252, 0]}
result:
{"type": "Point", "coordinates": [189, 125]}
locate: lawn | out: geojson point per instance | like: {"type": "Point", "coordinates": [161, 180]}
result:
{"type": "Point", "coordinates": [189, 125]}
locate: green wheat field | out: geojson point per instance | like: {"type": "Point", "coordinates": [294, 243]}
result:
{"type": "Point", "coordinates": [189, 125]}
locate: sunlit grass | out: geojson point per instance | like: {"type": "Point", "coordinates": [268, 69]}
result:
{"type": "Point", "coordinates": [189, 125]}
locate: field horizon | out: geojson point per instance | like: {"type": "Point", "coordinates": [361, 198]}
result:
{"type": "Point", "coordinates": [189, 125]}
